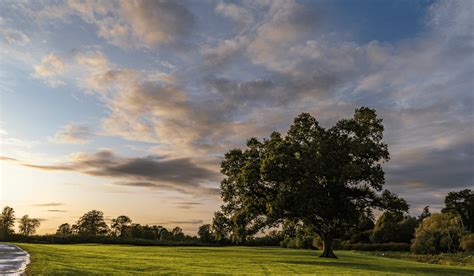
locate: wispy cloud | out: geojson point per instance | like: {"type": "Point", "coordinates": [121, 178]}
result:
{"type": "Point", "coordinates": [72, 134]}
{"type": "Point", "coordinates": [49, 204]}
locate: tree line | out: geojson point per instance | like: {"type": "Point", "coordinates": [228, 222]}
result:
{"type": "Point", "coordinates": [92, 224]}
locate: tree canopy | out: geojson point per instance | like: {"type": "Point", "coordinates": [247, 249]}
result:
{"type": "Point", "coordinates": [7, 221]}
{"type": "Point", "coordinates": [325, 178]}
{"type": "Point", "coordinates": [91, 224]}
{"type": "Point", "coordinates": [28, 225]}
{"type": "Point", "coordinates": [462, 204]}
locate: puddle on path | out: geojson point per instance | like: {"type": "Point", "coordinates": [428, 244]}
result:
{"type": "Point", "coordinates": [13, 260]}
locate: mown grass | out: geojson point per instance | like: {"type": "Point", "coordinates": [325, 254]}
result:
{"type": "Point", "coordinates": [125, 259]}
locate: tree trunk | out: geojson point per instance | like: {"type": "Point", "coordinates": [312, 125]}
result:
{"type": "Point", "coordinates": [328, 247]}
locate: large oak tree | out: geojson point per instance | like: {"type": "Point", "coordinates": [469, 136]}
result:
{"type": "Point", "coordinates": [325, 178]}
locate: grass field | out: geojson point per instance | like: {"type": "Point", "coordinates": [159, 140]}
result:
{"type": "Point", "coordinates": [124, 259]}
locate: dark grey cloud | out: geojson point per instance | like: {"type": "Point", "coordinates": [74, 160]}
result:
{"type": "Point", "coordinates": [179, 174]}
{"type": "Point", "coordinates": [451, 167]}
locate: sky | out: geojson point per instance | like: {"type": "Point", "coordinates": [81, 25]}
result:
{"type": "Point", "coordinates": [129, 106]}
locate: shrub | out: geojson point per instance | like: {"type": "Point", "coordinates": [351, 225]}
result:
{"type": "Point", "coordinates": [439, 233]}
{"type": "Point", "coordinates": [467, 242]}
{"type": "Point", "coordinates": [298, 242]}
{"type": "Point", "coordinates": [361, 237]}
{"type": "Point", "coordinates": [393, 227]}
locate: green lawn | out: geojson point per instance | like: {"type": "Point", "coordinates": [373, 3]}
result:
{"type": "Point", "coordinates": [123, 259]}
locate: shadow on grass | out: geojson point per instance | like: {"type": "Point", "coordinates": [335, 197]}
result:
{"type": "Point", "coordinates": [384, 268]}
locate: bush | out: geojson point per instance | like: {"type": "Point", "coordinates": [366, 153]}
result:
{"type": "Point", "coordinates": [467, 242]}
{"type": "Point", "coordinates": [305, 242]}
{"type": "Point", "coordinates": [439, 233]}
{"type": "Point", "coordinates": [361, 237]}
{"type": "Point", "coordinates": [399, 247]}
{"type": "Point", "coordinates": [76, 239]}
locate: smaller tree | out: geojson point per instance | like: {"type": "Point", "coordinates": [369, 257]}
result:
{"type": "Point", "coordinates": [426, 213]}
{"type": "Point", "coordinates": [28, 225]}
{"type": "Point", "coordinates": [220, 227]}
{"type": "Point", "coordinates": [177, 233]}
{"type": "Point", "coordinates": [119, 225]}
{"type": "Point", "coordinates": [439, 233]}
{"type": "Point", "coordinates": [64, 229]}
{"type": "Point", "coordinates": [462, 204]}
{"type": "Point", "coordinates": [91, 224]}
{"type": "Point", "coordinates": [205, 234]}
{"type": "Point", "coordinates": [7, 222]}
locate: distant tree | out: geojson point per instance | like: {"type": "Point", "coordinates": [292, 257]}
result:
{"type": "Point", "coordinates": [462, 204]}
{"type": "Point", "coordinates": [325, 178]}
{"type": "Point", "coordinates": [394, 227]}
{"type": "Point", "coordinates": [64, 229]}
{"type": "Point", "coordinates": [426, 213]}
{"type": "Point", "coordinates": [119, 225]}
{"type": "Point", "coordinates": [220, 227]}
{"type": "Point", "coordinates": [386, 228]}
{"type": "Point", "coordinates": [28, 225]}
{"type": "Point", "coordinates": [205, 233]}
{"type": "Point", "coordinates": [7, 221]}
{"type": "Point", "coordinates": [166, 235]}
{"type": "Point", "coordinates": [91, 224]}
{"type": "Point", "coordinates": [177, 233]}
{"type": "Point", "coordinates": [439, 233]}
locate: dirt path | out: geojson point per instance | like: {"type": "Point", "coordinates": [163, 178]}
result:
{"type": "Point", "coordinates": [13, 260]}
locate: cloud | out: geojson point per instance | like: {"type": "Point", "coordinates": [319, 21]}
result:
{"type": "Point", "coordinates": [187, 204]}
{"type": "Point", "coordinates": [447, 168]}
{"type": "Point", "coordinates": [178, 174]}
{"type": "Point", "coordinates": [49, 204]}
{"type": "Point", "coordinates": [194, 221]}
{"type": "Point", "coordinates": [127, 24]}
{"type": "Point", "coordinates": [158, 22]}
{"type": "Point", "coordinates": [72, 134]}
{"type": "Point", "coordinates": [14, 37]}
{"type": "Point", "coordinates": [49, 69]}
{"type": "Point", "coordinates": [57, 211]}
{"type": "Point", "coordinates": [240, 15]}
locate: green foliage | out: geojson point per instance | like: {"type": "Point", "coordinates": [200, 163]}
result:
{"type": "Point", "coordinates": [64, 229]}
{"type": "Point", "coordinates": [28, 225]}
{"type": "Point", "coordinates": [119, 225]}
{"type": "Point", "coordinates": [205, 233]}
{"type": "Point", "coordinates": [88, 259]}
{"type": "Point", "coordinates": [7, 222]}
{"type": "Point", "coordinates": [467, 242]}
{"type": "Point", "coordinates": [462, 204]}
{"type": "Point", "coordinates": [220, 227]}
{"type": "Point", "coordinates": [361, 237]}
{"type": "Point", "coordinates": [426, 213]}
{"type": "Point", "coordinates": [91, 224]}
{"type": "Point", "coordinates": [394, 227]}
{"type": "Point", "coordinates": [439, 233]}
{"type": "Point", "coordinates": [325, 178]}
